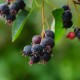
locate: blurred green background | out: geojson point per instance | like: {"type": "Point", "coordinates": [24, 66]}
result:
{"type": "Point", "coordinates": [64, 65]}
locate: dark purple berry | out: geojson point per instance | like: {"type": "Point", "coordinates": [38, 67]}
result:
{"type": "Point", "coordinates": [67, 24]}
{"type": "Point", "coordinates": [10, 18]}
{"type": "Point", "coordinates": [14, 8]}
{"type": "Point", "coordinates": [37, 49]}
{"type": "Point", "coordinates": [67, 16]}
{"type": "Point", "coordinates": [66, 7]}
{"type": "Point", "coordinates": [78, 35]}
{"type": "Point", "coordinates": [27, 50]}
{"type": "Point", "coordinates": [48, 41]}
{"type": "Point", "coordinates": [36, 39]}
{"type": "Point", "coordinates": [21, 3]}
{"type": "Point", "coordinates": [76, 30]}
{"type": "Point", "coordinates": [46, 57]}
{"type": "Point", "coordinates": [49, 33]}
{"type": "Point", "coordinates": [4, 9]}
{"type": "Point", "coordinates": [34, 59]}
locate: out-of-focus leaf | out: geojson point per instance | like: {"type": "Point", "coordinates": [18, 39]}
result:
{"type": "Point", "coordinates": [29, 3]}
{"type": "Point", "coordinates": [38, 2]}
{"type": "Point", "coordinates": [19, 24]}
{"type": "Point", "coordinates": [59, 30]}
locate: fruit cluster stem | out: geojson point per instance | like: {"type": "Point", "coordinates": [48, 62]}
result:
{"type": "Point", "coordinates": [43, 20]}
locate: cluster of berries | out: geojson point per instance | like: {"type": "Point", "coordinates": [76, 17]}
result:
{"type": "Point", "coordinates": [10, 11]}
{"type": "Point", "coordinates": [66, 17]}
{"type": "Point", "coordinates": [74, 34]}
{"type": "Point", "coordinates": [41, 48]}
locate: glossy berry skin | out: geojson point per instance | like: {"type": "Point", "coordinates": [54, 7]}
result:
{"type": "Point", "coordinates": [67, 24]}
{"type": "Point", "coordinates": [49, 33]}
{"type": "Point", "coordinates": [67, 16]}
{"type": "Point", "coordinates": [10, 18]}
{"type": "Point", "coordinates": [4, 9]}
{"type": "Point", "coordinates": [34, 59]}
{"type": "Point", "coordinates": [48, 41]}
{"type": "Point", "coordinates": [71, 35]}
{"type": "Point", "coordinates": [21, 3]}
{"type": "Point", "coordinates": [66, 7]}
{"type": "Point", "coordinates": [27, 50]}
{"type": "Point", "coordinates": [14, 8]}
{"type": "Point", "coordinates": [37, 49]}
{"type": "Point", "coordinates": [36, 39]}
{"type": "Point", "coordinates": [46, 57]}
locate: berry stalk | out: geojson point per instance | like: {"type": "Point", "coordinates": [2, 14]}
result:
{"type": "Point", "coordinates": [43, 20]}
{"type": "Point", "coordinates": [47, 23]}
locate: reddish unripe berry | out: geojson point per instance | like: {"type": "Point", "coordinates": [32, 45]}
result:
{"type": "Point", "coordinates": [36, 39]}
{"type": "Point", "coordinates": [71, 35]}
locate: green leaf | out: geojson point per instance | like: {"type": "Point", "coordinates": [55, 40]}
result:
{"type": "Point", "coordinates": [28, 3]}
{"type": "Point", "coordinates": [38, 3]}
{"type": "Point", "coordinates": [19, 24]}
{"type": "Point", "coordinates": [59, 30]}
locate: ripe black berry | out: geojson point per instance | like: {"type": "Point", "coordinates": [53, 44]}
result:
{"type": "Point", "coordinates": [67, 24]}
{"type": "Point", "coordinates": [78, 35]}
{"type": "Point", "coordinates": [46, 57]}
{"type": "Point", "coordinates": [34, 59]}
{"type": "Point", "coordinates": [48, 41]}
{"type": "Point", "coordinates": [67, 16]}
{"type": "Point", "coordinates": [49, 33]}
{"type": "Point", "coordinates": [14, 8]}
{"type": "Point", "coordinates": [76, 30]}
{"type": "Point", "coordinates": [36, 39]}
{"type": "Point", "coordinates": [37, 49]}
{"type": "Point", "coordinates": [27, 50]}
{"type": "Point", "coordinates": [66, 7]}
{"type": "Point", "coordinates": [10, 18]}
{"type": "Point", "coordinates": [4, 9]}
{"type": "Point", "coordinates": [21, 4]}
